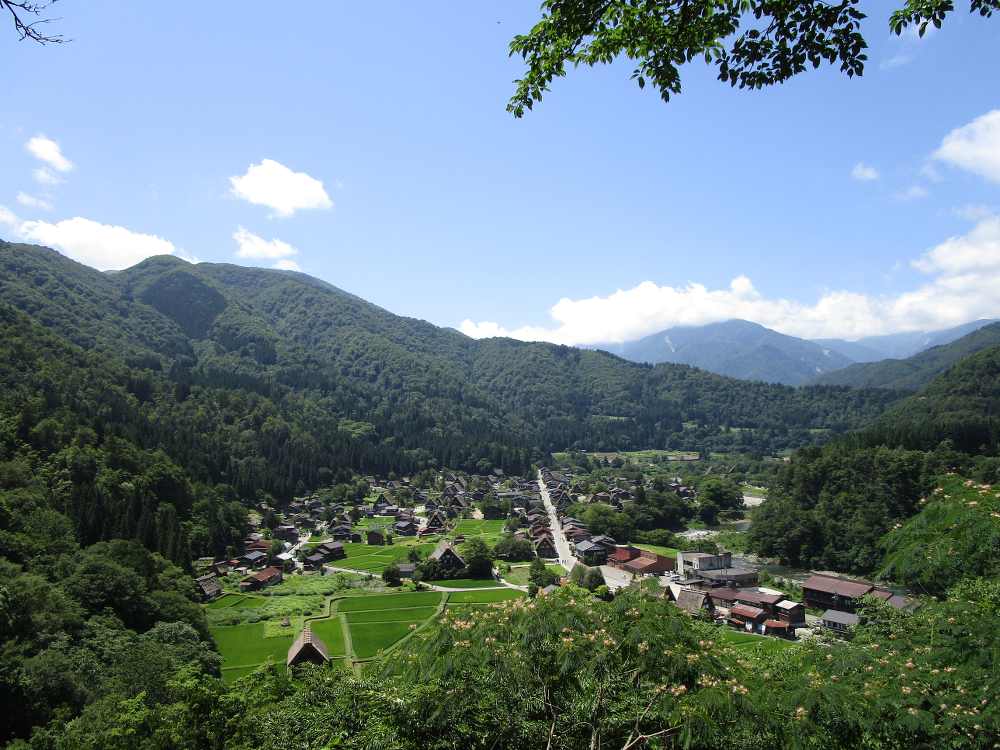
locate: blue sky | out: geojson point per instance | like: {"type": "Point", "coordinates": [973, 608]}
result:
{"type": "Point", "coordinates": [371, 148]}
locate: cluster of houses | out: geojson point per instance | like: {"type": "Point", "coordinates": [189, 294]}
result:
{"type": "Point", "coordinates": [707, 583]}
{"type": "Point", "coordinates": [623, 491]}
{"type": "Point", "coordinates": [840, 598]}
{"type": "Point", "coordinates": [255, 565]}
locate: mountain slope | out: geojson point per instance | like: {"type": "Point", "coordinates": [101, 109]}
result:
{"type": "Point", "coordinates": [901, 345]}
{"type": "Point", "coordinates": [962, 405]}
{"type": "Point", "coordinates": [271, 380]}
{"type": "Point", "coordinates": [917, 371]}
{"type": "Point", "coordinates": [738, 349]}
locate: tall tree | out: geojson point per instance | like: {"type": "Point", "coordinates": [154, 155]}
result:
{"type": "Point", "coordinates": [752, 43]}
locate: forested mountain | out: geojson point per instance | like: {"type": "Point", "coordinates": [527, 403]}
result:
{"type": "Point", "coordinates": [916, 371]}
{"type": "Point", "coordinates": [962, 406]}
{"type": "Point", "coordinates": [830, 506]}
{"type": "Point", "coordinates": [381, 391]}
{"type": "Point", "coordinates": [165, 394]}
{"type": "Point", "coordinates": [901, 345]}
{"type": "Point", "coordinates": [737, 349]}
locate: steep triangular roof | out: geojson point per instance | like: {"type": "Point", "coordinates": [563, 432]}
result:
{"type": "Point", "coordinates": [305, 644]}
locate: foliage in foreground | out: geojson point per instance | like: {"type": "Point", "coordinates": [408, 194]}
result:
{"type": "Point", "coordinates": [569, 671]}
{"type": "Point", "coordinates": [751, 43]}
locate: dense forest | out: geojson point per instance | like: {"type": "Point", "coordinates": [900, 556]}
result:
{"type": "Point", "coordinates": [916, 372]}
{"type": "Point", "coordinates": [830, 506]}
{"type": "Point", "coordinates": [267, 382]}
{"type": "Point", "coordinates": [141, 412]}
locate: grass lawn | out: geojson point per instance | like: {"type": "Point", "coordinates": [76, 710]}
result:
{"type": "Point", "coordinates": [742, 639]}
{"type": "Point", "coordinates": [665, 551]}
{"type": "Point", "coordinates": [409, 614]}
{"type": "Point", "coordinates": [390, 601]}
{"type": "Point", "coordinates": [331, 633]}
{"type": "Point", "coordinates": [519, 576]}
{"type": "Point", "coordinates": [312, 584]}
{"type": "Point", "coordinates": [377, 521]}
{"type": "Point", "coordinates": [488, 531]}
{"type": "Point", "coordinates": [484, 597]}
{"type": "Point", "coordinates": [374, 559]}
{"type": "Point", "coordinates": [468, 583]}
{"type": "Point", "coordinates": [371, 637]}
{"type": "Point", "coordinates": [245, 645]}
{"type": "Point", "coordinates": [226, 600]}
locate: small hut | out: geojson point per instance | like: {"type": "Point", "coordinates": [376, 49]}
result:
{"type": "Point", "coordinates": [307, 648]}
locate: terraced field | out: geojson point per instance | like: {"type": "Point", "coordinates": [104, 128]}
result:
{"type": "Point", "coordinates": [469, 583]}
{"type": "Point", "coordinates": [489, 531]}
{"type": "Point", "coordinates": [358, 627]}
{"type": "Point", "coordinates": [374, 559]}
{"type": "Point", "coordinates": [245, 647]}
{"type": "Point", "coordinates": [491, 596]}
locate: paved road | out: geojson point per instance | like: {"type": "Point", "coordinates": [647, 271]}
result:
{"type": "Point", "coordinates": [566, 558]}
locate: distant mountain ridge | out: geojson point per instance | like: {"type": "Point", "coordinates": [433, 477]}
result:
{"type": "Point", "coordinates": [901, 345]}
{"type": "Point", "coordinates": [749, 351]}
{"type": "Point", "coordinates": [268, 380]}
{"type": "Point", "coordinates": [737, 349]}
{"type": "Point", "coordinates": [913, 373]}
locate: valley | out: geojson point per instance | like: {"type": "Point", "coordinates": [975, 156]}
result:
{"type": "Point", "coordinates": [322, 499]}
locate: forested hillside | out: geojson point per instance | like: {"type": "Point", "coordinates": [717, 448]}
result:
{"type": "Point", "coordinates": [831, 506]}
{"type": "Point", "coordinates": [350, 384]}
{"type": "Point", "coordinates": [917, 371]}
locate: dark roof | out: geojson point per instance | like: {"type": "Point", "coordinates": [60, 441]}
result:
{"type": "Point", "coordinates": [266, 574]}
{"type": "Point", "coordinates": [758, 597]}
{"type": "Point", "coordinates": [839, 586]}
{"type": "Point", "coordinates": [744, 611]}
{"type": "Point", "coordinates": [442, 549]}
{"type": "Point", "coordinates": [691, 601]}
{"type": "Point", "coordinates": [843, 618]}
{"type": "Point", "coordinates": [724, 594]}
{"type": "Point", "coordinates": [255, 555]}
{"type": "Point", "coordinates": [307, 641]}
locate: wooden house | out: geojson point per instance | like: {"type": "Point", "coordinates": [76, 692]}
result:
{"type": "Point", "coordinates": [447, 556]}
{"type": "Point", "coordinates": [209, 587]}
{"type": "Point", "coordinates": [307, 648]}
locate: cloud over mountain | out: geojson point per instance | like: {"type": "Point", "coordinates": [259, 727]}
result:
{"type": "Point", "coordinates": [963, 271]}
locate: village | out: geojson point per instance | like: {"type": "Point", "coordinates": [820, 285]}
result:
{"type": "Point", "coordinates": [459, 540]}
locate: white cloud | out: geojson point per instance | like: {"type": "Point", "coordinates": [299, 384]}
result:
{"type": "Point", "coordinates": [977, 251]}
{"type": "Point", "coordinates": [864, 172]}
{"type": "Point", "coordinates": [287, 265]}
{"type": "Point", "coordinates": [963, 278]}
{"type": "Point", "coordinates": [33, 202]}
{"type": "Point", "coordinates": [276, 186]}
{"type": "Point", "coordinates": [912, 193]}
{"type": "Point", "coordinates": [974, 147]}
{"type": "Point", "coordinates": [7, 217]}
{"type": "Point", "coordinates": [45, 176]}
{"type": "Point", "coordinates": [252, 246]}
{"type": "Point", "coordinates": [48, 151]}
{"type": "Point", "coordinates": [896, 61]}
{"type": "Point", "coordinates": [103, 246]}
